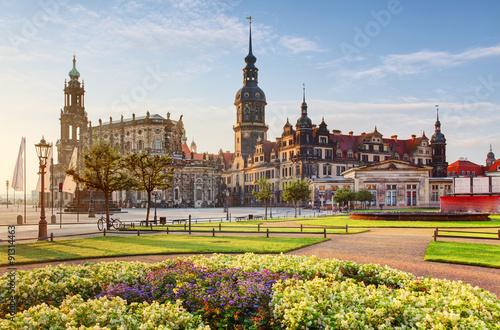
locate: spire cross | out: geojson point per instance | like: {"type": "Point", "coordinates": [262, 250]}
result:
{"type": "Point", "coordinates": [304, 92]}
{"type": "Point", "coordinates": [437, 110]}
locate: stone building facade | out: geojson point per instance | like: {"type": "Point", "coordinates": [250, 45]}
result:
{"type": "Point", "coordinates": [197, 177]}
{"type": "Point", "coordinates": [310, 151]}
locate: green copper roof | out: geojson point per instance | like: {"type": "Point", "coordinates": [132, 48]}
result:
{"type": "Point", "coordinates": [74, 74]}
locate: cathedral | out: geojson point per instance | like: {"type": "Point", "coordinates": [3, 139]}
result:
{"type": "Point", "coordinates": [197, 180]}
{"type": "Point", "coordinates": [414, 169]}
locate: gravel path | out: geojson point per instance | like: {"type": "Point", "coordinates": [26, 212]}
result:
{"type": "Point", "coordinates": [400, 248]}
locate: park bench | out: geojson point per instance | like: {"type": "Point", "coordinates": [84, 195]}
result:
{"type": "Point", "coordinates": [178, 221]}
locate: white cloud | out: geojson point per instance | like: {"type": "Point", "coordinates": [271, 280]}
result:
{"type": "Point", "coordinates": [298, 44]}
{"type": "Point", "coordinates": [422, 61]}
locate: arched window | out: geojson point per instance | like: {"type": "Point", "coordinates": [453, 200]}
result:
{"type": "Point", "coordinates": [157, 144]}
{"type": "Point", "coordinates": [140, 145]}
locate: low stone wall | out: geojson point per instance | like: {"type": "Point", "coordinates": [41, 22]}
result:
{"type": "Point", "coordinates": [490, 204]}
{"type": "Point", "coordinates": [419, 216]}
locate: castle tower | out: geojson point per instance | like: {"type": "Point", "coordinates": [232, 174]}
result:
{"type": "Point", "coordinates": [438, 145]}
{"type": "Point", "coordinates": [250, 105]}
{"type": "Point", "coordinates": [490, 157]}
{"type": "Point", "coordinates": [73, 117]}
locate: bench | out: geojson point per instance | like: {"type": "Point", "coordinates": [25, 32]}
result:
{"type": "Point", "coordinates": [178, 221]}
{"type": "Point", "coordinates": [240, 218]}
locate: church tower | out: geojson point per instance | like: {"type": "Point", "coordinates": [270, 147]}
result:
{"type": "Point", "coordinates": [73, 117]}
{"type": "Point", "coordinates": [250, 105]}
{"type": "Point", "coordinates": [438, 145]}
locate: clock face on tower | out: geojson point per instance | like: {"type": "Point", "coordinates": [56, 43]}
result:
{"type": "Point", "coordinates": [246, 134]}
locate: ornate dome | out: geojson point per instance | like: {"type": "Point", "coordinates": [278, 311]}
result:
{"type": "Point", "coordinates": [74, 74]}
{"type": "Point", "coordinates": [250, 93]}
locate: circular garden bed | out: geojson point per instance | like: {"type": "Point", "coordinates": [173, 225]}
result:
{"type": "Point", "coordinates": [419, 216]}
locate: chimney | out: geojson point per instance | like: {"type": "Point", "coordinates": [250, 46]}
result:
{"type": "Point", "coordinates": [351, 133]}
{"type": "Point", "coordinates": [394, 137]}
{"type": "Point", "coordinates": [336, 132]}
{"type": "Point", "coordinates": [413, 136]}
{"type": "Point", "coordinates": [133, 116]}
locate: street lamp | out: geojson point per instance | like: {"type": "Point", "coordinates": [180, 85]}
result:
{"type": "Point", "coordinates": [7, 193]}
{"type": "Point", "coordinates": [227, 205]}
{"type": "Point", "coordinates": [42, 150]}
{"type": "Point", "coordinates": [155, 194]}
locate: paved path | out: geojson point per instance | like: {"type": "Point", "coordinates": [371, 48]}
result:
{"type": "Point", "coordinates": [400, 248]}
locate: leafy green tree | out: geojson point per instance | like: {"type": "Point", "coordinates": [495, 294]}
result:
{"type": "Point", "coordinates": [297, 190]}
{"type": "Point", "coordinates": [149, 173]}
{"type": "Point", "coordinates": [264, 192]}
{"type": "Point", "coordinates": [101, 170]}
{"type": "Point", "coordinates": [344, 196]}
{"type": "Point", "coordinates": [364, 196]}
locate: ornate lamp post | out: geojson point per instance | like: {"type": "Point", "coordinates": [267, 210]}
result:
{"type": "Point", "coordinates": [42, 150]}
{"type": "Point", "coordinates": [155, 194]}
{"type": "Point", "coordinates": [227, 205]}
{"type": "Point", "coordinates": [7, 184]}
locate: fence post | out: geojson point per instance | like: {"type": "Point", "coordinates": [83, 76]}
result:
{"type": "Point", "coordinates": [346, 230]}
{"type": "Point", "coordinates": [258, 227]}
{"type": "Point", "coordinates": [138, 233]}
{"type": "Point", "coordinates": [104, 232]}
{"type": "Point", "coordinates": [185, 226]}
{"type": "Point", "coordinates": [435, 234]}
{"type": "Point", "coordinates": [209, 220]}
{"type": "Point", "coordinates": [220, 227]}
{"type": "Point", "coordinates": [213, 232]}
{"type": "Point", "coordinates": [133, 225]}
{"type": "Point", "coordinates": [324, 232]}
{"type": "Point", "coordinates": [189, 224]}
{"type": "Point", "coordinates": [52, 237]}
{"type": "Point", "coordinates": [300, 227]}
{"type": "Point", "coordinates": [151, 225]}
{"type": "Point", "coordinates": [267, 233]}
{"type": "Point", "coordinates": [167, 230]}
{"type": "Point", "coordinates": [498, 233]}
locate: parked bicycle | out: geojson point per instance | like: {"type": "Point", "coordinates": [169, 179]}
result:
{"type": "Point", "coordinates": [101, 223]}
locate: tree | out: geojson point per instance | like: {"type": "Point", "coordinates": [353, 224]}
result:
{"type": "Point", "coordinates": [264, 192]}
{"type": "Point", "coordinates": [297, 190]}
{"type": "Point", "coordinates": [149, 173]}
{"type": "Point", "coordinates": [344, 196]}
{"type": "Point", "coordinates": [101, 170]}
{"type": "Point", "coordinates": [364, 196]}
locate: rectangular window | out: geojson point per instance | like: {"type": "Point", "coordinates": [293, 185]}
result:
{"type": "Point", "coordinates": [340, 169]}
{"type": "Point", "coordinates": [376, 158]}
{"type": "Point", "coordinates": [364, 158]}
{"type": "Point", "coordinates": [411, 194]}
{"type": "Point", "coordinates": [319, 153]}
{"type": "Point", "coordinates": [328, 153]}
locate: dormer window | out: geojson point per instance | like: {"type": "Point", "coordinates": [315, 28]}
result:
{"type": "Point", "coordinates": [322, 139]}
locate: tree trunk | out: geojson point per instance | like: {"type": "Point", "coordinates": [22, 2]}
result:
{"type": "Point", "coordinates": [265, 215]}
{"type": "Point", "coordinates": [295, 204]}
{"type": "Point", "coordinates": [106, 202]}
{"type": "Point", "coordinates": [148, 208]}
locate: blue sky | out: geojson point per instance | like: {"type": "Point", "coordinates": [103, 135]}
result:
{"type": "Point", "coordinates": [364, 63]}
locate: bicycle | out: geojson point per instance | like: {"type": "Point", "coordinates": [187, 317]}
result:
{"type": "Point", "coordinates": [101, 223]}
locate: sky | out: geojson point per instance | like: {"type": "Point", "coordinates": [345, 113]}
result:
{"type": "Point", "coordinates": [365, 63]}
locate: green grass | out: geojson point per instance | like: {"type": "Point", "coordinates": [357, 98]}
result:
{"type": "Point", "coordinates": [471, 233]}
{"type": "Point", "coordinates": [152, 244]}
{"type": "Point", "coordinates": [342, 220]}
{"type": "Point", "coordinates": [464, 253]}
{"type": "Point", "coordinates": [249, 226]}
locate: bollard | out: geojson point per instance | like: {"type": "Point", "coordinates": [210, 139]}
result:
{"type": "Point", "coordinates": [104, 232]}
{"type": "Point", "coordinates": [52, 237]}
{"type": "Point", "coordinates": [133, 225]}
{"type": "Point", "coordinates": [213, 232]}
{"type": "Point", "coordinates": [435, 234]}
{"type": "Point", "coordinates": [19, 219]}
{"type": "Point", "coordinates": [151, 225]}
{"type": "Point", "coordinates": [53, 219]}
{"type": "Point", "coordinates": [267, 233]}
{"type": "Point", "coordinates": [167, 230]}
{"type": "Point", "coordinates": [324, 232]}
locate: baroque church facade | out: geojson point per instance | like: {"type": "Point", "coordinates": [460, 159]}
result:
{"type": "Point", "coordinates": [310, 151]}
{"type": "Point", "coordinates": [197, 178]}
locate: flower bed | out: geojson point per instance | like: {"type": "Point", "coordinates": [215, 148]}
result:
{"type": "Point", "coordinates": [243, 292]}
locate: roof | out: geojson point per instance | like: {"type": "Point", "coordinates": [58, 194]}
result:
{"type": "Point", "coordinates": [464, 165]}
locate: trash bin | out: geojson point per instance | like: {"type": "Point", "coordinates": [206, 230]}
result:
{"type": "Point", "coordinates": [19, 219]}
{"type": "Point", "coordinates": [163, 220]}
{"type": "Point", "coordinates": [250, 216]}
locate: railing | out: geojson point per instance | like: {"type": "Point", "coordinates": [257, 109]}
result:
{"type": "Point", "coordinates": [189, 229]}
{"type": "Point", "coordinates": [494, 235]}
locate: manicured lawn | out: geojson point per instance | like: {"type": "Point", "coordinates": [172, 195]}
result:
{"type": "Point", "coordinates": [342, 220]}
{"type": "Point", "coordinates": [249, 226]}
{"type": "Point", "coordinates": [151, 244]}
{"type": "Point", "coordinates": [464, 253]}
